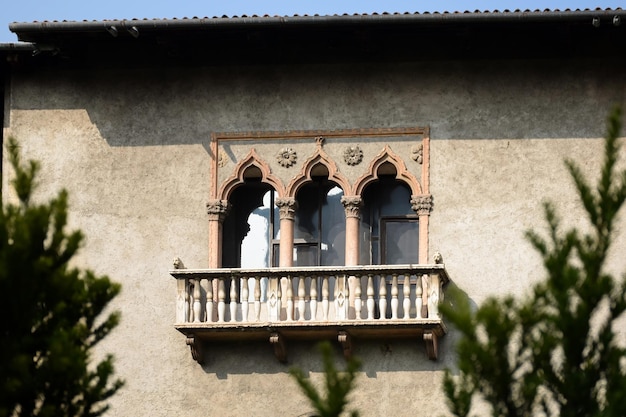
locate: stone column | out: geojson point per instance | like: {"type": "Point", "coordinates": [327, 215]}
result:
{"type": "Point", "coordinates": [287, 208]}
{"type": "Point", "coordinates": [422, 205]}
{"type": "Point", "coordinates": [352, 205]}
{"type": "Point", "coordinates": [217, 210]}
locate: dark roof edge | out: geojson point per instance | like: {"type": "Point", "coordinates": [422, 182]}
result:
{"type": "Point", "coordinates": [17, 46]}
{"type": "Point", "coordinates": [277, 21]}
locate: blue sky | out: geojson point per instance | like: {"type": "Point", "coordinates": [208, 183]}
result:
{"type": "Point", "coordinates": [39, 10]}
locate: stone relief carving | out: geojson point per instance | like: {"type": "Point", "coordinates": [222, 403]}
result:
{"type": "Point", "coordinates": [178, 263]}
{"type": "Point", "coordinates": [221, 160]}
{"type": "Point", "coordinates": [417, 153]}
{"type": "Point", "coordinates": [353, 155]}
{"type": "Point", "coordinates": [438, 258]}
{"type": "Point", "coordinates": [286, 157]}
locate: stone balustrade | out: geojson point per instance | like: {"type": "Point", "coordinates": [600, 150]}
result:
{"type": "Point", "coordinates": [310, 302]}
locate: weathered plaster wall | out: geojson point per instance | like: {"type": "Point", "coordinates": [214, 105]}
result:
{"type": "Point", "coordinates": [132, 148]}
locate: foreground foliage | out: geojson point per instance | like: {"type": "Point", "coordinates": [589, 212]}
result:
{"type": "Point", "coordinates": [554, 353]}
{"type": "Point", "coordinates": [51, 311]}
{"type": "Point", "coordinates": [337, 385]}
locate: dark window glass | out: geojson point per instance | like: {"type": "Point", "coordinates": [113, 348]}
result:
{"type": "Point", "coordinates": [320, 225]}
{"type": "Point", "coordinates": [389, 231]}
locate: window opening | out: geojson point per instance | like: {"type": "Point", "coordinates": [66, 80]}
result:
{"type": "Point", "coordinates": [251, 227]}
{"type": "Point", "coordinates": [320, 225]}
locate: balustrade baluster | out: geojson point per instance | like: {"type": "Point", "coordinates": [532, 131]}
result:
{"type": "Point", "coordinates": [209, 300]}
{"type": "Point", "coordinates": [341, 297]}
{"type": "Point", "coordinates": [197, 306]}
{"type": "Point", "coordinates": [233, 299]}
{"type": "Point", "coordinates": [257, 298]}
{"type": "Point", "coordinates": [186, 308]}
{"type": "Point", "coordinates": [325, 295]}
{"type": "Point", "coordinates": [358, 304]}
{"type": "Point", "coordinates": [382, 297]}
{"type": "Point", "coordinates": [273, 299]}
{"type": "Point", "coordinates": [245, 293]}
{"type": "Point", "coordinates": [370, 297]}
{"type": "Point", "coordinates": [221, 301]}
{"type": "Point", "coordinates": [406, 292]}
{"type": "Point", "coordinates": [433, 296]}
{"type": "Point", "coordinates": [394, 296]}
{"type": "Point", "coordinates": [419, 301]}
{"type": "Point", "coordinates": [301, 297]}
{"type": "Point", "coordinates": [313, 292]}
{"type": "Point", "coordinates": [279, 303]}
{"type": "Point", "coordinates": [289, 299]}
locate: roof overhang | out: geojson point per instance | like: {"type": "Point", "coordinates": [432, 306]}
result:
{"type": "Point", "coordinates": [520, 34]}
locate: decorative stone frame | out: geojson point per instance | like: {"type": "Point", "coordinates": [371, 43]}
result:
{"type": "Point", "coordinates": [221, 190]}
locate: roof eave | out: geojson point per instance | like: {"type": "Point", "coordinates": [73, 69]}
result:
{"type": "Point", "coordinates": [26, 31]}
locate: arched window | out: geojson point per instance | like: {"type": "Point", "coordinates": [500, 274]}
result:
{"type": "Point", "coordinates": [389, 230]}
{"type": "Point", "coordinates": [320, 224]}
{"type": "Point", "coordinates": [251, 228]}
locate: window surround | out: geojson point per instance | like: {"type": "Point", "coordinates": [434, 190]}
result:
{"type": "Point", "coordinates": [421, 200]}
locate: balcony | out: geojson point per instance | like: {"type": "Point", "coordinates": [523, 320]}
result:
{"type": "Point", "coordinates": [310, 303]}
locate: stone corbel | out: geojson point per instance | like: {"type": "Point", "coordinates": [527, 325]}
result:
{"type": "Point", "coordinates": [346, 343]}
{"type": "Point", "coordinates": [280, 349]}
{"type": "Point", "coordinates": [432, 348]}
{"type": "Point", "coordinates": [197, 352]}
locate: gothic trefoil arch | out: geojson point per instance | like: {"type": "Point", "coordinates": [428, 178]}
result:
{"type": "Point", "coordinates": [238, 176]}
{"type": "Point", "coordinates": [319, 157]}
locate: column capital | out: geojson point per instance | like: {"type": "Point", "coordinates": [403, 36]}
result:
{"type": "Point", "coordinates": [286, 207]}
{"type": "Point", "coordinates": [352, 204]}
{"type": "Point", "coordinates": [217, 209]}
{"type": "Point", "coordinates": [422, 204]}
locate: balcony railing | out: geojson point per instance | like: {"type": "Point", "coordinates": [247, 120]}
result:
{"type": "Point", "coordinates": [276, 304]}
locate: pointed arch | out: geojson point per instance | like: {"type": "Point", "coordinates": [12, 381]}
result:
{"type": "Point", "coordinates": [402, 173]}
{"type": "Point", "coordinates": [238, 176]}
{"type": "Point", "coordinates": [320, 157]}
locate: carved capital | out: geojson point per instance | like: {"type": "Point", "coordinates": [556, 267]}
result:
{"type": "Point", "coordinates": [422, 204]}
{"type": "Point", "coordinates": [217, 209]}
{"type": "Point", "coordinates": [287, 207]}
{"type": "Point", "coordinates": [352, 205]}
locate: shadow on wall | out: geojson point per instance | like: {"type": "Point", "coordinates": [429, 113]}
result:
{"type": "Point", "coordinates": [457, 99]}
{"type": "Point", "coordinates": [394, 355]}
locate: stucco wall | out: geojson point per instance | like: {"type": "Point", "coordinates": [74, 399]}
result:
{"type": "Point", "coordinates": [132, 148]}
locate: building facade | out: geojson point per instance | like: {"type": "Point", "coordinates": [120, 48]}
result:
{"type": "Point", "coordinates": [258, 184]}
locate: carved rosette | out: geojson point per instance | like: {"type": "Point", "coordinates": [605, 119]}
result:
{"type": "Point", "coordinates": [353, 155]}
{"type": "Point", "coordinates": [287, 207]}
{"type": "Point", "coordinates": [352, 205]}
{"type": "Point", "coordinates": [217, 209]}
{"type": "Point", "coordinates": [286, 157]}
{"type": "Point", "coordinates": [422, 204]}
{"type": "Point", "coordinates": [417, 153]}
